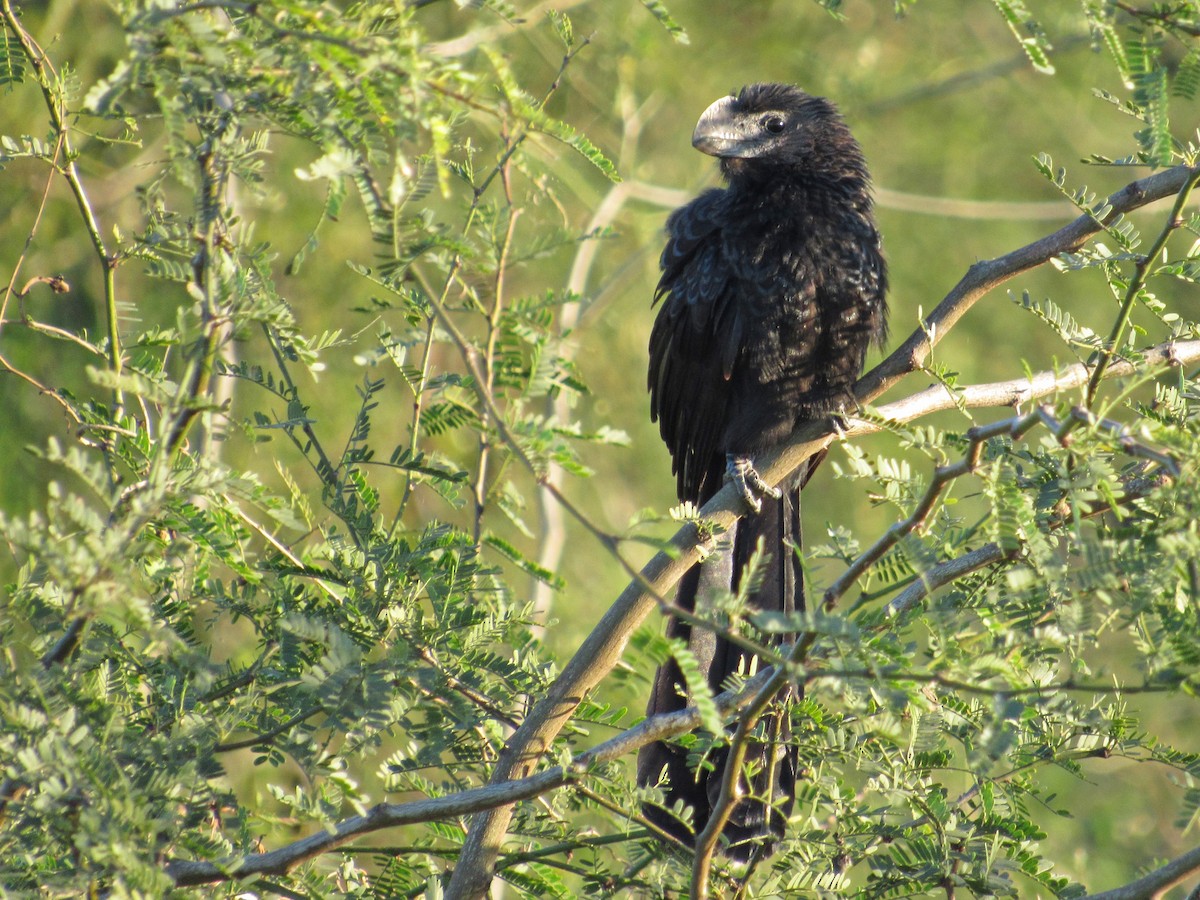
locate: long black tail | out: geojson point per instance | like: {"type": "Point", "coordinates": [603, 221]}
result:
{"type": "Point", "coordinates": [758, 821]}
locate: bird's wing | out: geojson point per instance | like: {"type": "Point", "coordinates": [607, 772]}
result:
{"type": "Point", "coordinates": [694, 345]}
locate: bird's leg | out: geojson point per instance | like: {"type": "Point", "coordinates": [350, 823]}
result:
{"type": "Point", "coordinates": [740, 470]}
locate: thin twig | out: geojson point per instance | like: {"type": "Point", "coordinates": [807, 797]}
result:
{"type": "Point", "coordinates": [942, 477]}
{"type": "Point", "coordinates": [945, 573]}
{"type": "Point", "coordinates": [197, 377]}
{"type": "Point", "coordinates": [33, 229]}
{"type": "Point", "coordinates": [418, 410]}
{"type": "Point", "coordinates": [68, 408]}
{"type": "Point", "coordinates": [40, 63]}
{"type": "Point", "coordinates": [553, 530]}
{"type": "Point", "coordinates": [1140, 273]}
{"type": "Point", "coordinates": [282, 549]}
{"type": "Point", "coordinates": [989, 554]}
{"type": "Point", "coordinates": [426, 656]}
{"type": "Point", "coordinates": [945, 474]}
{"type": "Point", "coordinates": [266, 736]}
{"type": "Point", "coordinates": [1166, 19]}
{"type": "Point", "coordinates": [731, 790]}
{"type": "Point", "coordinates": [489, 359]}
{"type": "Point", "coordinates": [55, 332]}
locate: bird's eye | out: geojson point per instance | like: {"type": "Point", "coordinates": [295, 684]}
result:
{"type": "Point", "coordinates": [773, 124]}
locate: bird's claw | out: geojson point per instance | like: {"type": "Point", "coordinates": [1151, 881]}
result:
{"type": "Point", "coordinates": [740, 470]}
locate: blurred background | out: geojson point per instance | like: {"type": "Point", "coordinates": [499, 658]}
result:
{"type": "Point", "coordinates": [950, 114]}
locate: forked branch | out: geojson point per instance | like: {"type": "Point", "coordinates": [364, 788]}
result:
{"type": "Point", "coordinates": [603, 648]}
{"type": "Point", "coordinates": [746, 704]}
{"type": "Point", "coordinates": [389, 815]}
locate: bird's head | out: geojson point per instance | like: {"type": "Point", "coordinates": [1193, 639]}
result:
{"type": "Point", "coordinates": [767, 126]}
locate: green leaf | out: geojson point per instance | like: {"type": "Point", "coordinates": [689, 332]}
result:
{"type": "Point", "coordinates": [659, 10]}
{"type": "Point", "coordinates": [334, 197]}
{"type": "Point", "coordinates": [562, 25]}
{"type": "Point", "coordinates": [538, 120]}
{"type": "Point", "coordinates": [12, 61]}
{"type": "Point", "coordinates": [700, 694]}
{"type": "Point", "coordinates": [1186, 83]}
{"type": "Point", "coordinates": [528, 566]}
{"type": "Point", "coordinates": [1028, 32]}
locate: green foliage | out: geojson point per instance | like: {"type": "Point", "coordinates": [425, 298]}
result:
{"type": "Point", "coordinates": [323, 390]}
{"type": "Point", "coordinates": [1028, 32]}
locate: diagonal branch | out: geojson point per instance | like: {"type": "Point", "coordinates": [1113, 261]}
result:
{"type": "Point", "coordinates": [605, 646]}
{"type": "Point", "coordinates": [943, 475]}
{"type": "Point", "coordinates": [1138, 283]}
{"type": "Point", "coordinates": [1154, 884]}
{"type": "Point", "coordinates": [982, 277]}
{"type": "Point", "coordinates": [946, 572]}
{"type": "Point", "coordinates": [658, 577]}
{"type": "Point", "coordinates": [389, 815]}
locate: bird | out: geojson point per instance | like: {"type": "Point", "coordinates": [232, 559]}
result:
{"type": "Point", "coordinates": [772, 290]}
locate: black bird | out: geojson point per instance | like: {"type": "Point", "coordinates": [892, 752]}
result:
{"type": "Point", "coordinates": [772, 288]}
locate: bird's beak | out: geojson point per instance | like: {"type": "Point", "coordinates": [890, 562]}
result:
{"type": "Point", "coordinates": [718, 132]}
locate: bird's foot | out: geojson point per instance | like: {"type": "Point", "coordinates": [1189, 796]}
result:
{"type": "Point", "coordinates": [740, 470]}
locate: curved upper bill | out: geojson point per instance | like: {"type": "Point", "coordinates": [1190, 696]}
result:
{"type": "Point", "coordinates": [720, 132]}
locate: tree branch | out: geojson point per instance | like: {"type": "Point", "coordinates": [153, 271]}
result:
{"type": "Point", "coordinates": [389, 815]}
{"type": "Point", "coordinates": [944, 573]}
{"type": "Point", "coordinates": [731, 792]}
{"type": "Point", "coordinates": [944, 474]}
{"type": "Point", "coordinates": [57, 109]}
{"type": "Point", "coordinates": [1156, 882]}
{"type": "Point", "coordinates": [604, 647]}
{"type": "Point", "coordinates": [640, 597]}
{"type": "Point", "coordinates": [988, 274]}
{"type": "Point", "coordinates": [1138, 282]}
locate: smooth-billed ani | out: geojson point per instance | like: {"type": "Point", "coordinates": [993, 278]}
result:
{"type": "Point", "coordinates": [772, 289]}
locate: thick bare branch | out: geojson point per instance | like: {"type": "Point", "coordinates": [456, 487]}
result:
{"type": "Point", "coordinates": [604, 647]}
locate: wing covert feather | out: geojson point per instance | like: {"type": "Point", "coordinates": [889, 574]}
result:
{"type": "Point", "coordinates": [692, 349]}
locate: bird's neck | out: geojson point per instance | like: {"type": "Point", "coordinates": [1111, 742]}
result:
{"type": "Point", "coordinates": [782, 189]}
